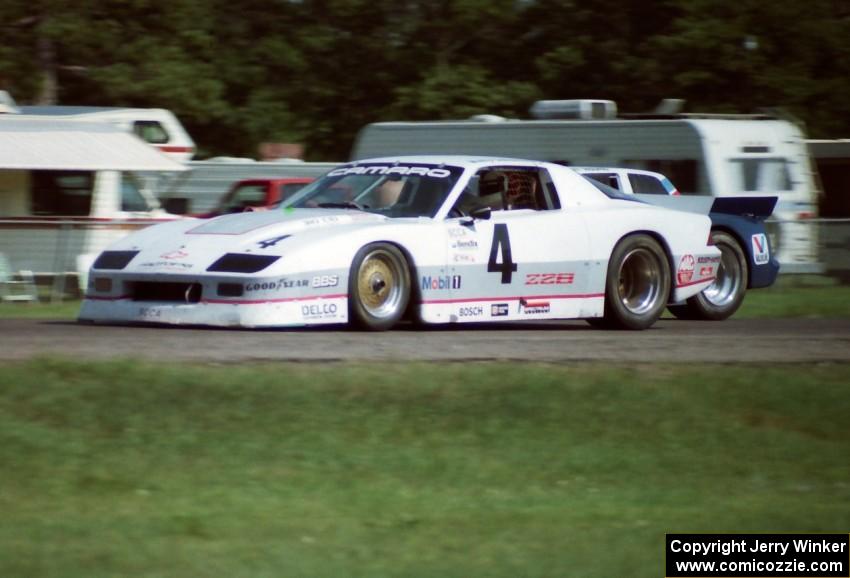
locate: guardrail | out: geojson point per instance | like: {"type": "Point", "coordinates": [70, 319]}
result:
{"type": "Point", "coordinates": [58, 250]}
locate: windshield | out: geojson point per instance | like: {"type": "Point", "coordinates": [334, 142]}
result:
{"type": "Point", "coordinates": [394, 190]}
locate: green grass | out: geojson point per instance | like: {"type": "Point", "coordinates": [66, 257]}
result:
{"type": "Point", "coordinates": [65, 310]}
{"type": "Point", "coordinates": [797, 296]}
{"type": "Point", "coordinates": [155, 470]}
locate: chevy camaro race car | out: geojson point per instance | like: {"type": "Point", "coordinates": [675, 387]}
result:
{"type": "Point", "coordinates": [434, 239]}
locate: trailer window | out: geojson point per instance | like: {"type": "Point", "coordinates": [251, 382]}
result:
{"type": "Point", "coordinates": [65, 193]}
{"type": "Point", "coordinates": [751, 175]}
{"type": "Point", "coordinates": [150, 131]}
{"type": "Point", "coordinates": [131, 198]}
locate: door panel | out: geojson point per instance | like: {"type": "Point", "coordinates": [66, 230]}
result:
{"type": "Point", "coordinates": [518, 265]}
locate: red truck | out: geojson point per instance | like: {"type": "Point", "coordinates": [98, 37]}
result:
{"type": "Point", "coordinates": [257, 193]}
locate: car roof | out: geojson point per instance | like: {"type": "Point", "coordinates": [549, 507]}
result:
{"type": "Point", "coordinates": [466, 161]}
{"type": "Point", "coordinates": [583, 170]}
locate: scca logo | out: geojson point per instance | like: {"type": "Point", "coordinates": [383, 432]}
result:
{"type": "Point", "coordinates": [441, 283]}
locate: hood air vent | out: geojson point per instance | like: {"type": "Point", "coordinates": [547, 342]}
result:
{"type": "Point", "coordinates": [242, 263]}
{"type": "Point", "coordinates": [114, 259]}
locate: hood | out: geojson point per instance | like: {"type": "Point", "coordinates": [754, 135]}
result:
{"type": "Point", "coordinates": [192, 245]}
{"type": "Point", "coordinates": [283, 221]}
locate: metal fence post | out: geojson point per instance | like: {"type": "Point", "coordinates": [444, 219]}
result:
{"type": "Point", "coordinates": [57, 292]}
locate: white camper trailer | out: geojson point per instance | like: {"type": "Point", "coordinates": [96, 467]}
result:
{"type": "Point", "coordinates": [718, 155]}
{"type": "Point", "coordinates": [156, 126]}
{"type": "Point", "coordinates": [68, 188]}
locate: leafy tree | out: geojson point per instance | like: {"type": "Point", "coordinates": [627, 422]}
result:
{"type": "Point", "coordinates": [242, 72]}
{"type": "Point", "coordinates": [460, 92]}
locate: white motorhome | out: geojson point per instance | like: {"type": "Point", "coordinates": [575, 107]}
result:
{"type": "Point", "coordinates": [156, 126]}
{"type": "Point", "coordinates": [718, 155]}
{"type": "Point", "coordinates": [69, 187]}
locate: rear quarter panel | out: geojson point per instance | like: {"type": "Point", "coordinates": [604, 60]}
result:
{"type": "Point", "coordinates": [684, 237]}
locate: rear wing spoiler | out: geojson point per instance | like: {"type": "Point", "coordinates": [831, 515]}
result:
{"type": "Point", "coordinates": [758, 208]}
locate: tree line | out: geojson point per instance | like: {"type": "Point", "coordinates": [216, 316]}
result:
{"type": "Point", "coordinates": [242, 72]}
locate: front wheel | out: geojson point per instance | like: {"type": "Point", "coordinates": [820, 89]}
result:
{"type": "Point", "coordinates": [722, 298]}
{"type": "Point", "coordinates": [378, 287]}
{"type": "Point", "coordinates": [637, 285]}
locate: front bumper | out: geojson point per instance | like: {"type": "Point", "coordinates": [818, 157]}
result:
{"type": "Point", "coordinates": [292, 312]}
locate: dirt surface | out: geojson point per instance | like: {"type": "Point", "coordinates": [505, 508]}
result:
{"type": "Point", "coordinates": [773, 340]}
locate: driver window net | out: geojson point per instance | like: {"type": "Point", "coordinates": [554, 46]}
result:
{"type": "Point", "coordinates": [522, 191]}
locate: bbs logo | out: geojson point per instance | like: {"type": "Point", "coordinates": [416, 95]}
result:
{"type": "Point", "coordinates": [320, 281]}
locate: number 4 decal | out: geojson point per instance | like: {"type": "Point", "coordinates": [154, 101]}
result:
{"type": "Point", "coordinates": [502, 241]}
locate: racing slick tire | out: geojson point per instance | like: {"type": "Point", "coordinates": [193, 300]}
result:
{"type": "Point", "coordinates": [723, 297]}
{"type": "Point", "coordinates": [637, 286]}
{"type": "Point", "coordinates": [378, 287]}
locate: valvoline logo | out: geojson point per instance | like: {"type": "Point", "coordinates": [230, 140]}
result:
{"type": "Point", "coordinates": [441, 283]}
{"type": "Point", "coordinates": [761, 253]}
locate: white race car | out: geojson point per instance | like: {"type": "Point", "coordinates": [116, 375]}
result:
{"type": "Point", "coordinates": [630, 181]}
{"type": "Point", "coordinates": [434, 239]}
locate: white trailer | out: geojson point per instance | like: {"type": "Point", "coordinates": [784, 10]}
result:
{"type": "Point", "coordinates": [717, 155]}
{"type": "Point", "coordinates": [156, 126]}
{"type": "Point", "coordinates": [69, 187]}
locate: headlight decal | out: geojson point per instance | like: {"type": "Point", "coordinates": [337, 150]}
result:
{"type": "Point", "coordinates": [242, 263]}
{"type": "Point", "coordinates": [114, 260]}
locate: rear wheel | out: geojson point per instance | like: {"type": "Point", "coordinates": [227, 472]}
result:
{"type": "Point", "coordinates": [637, 285]}
{"type": "Point", "coordinates": [723, 297]}
{"type": "Point", "coordinates": [378, 287]}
